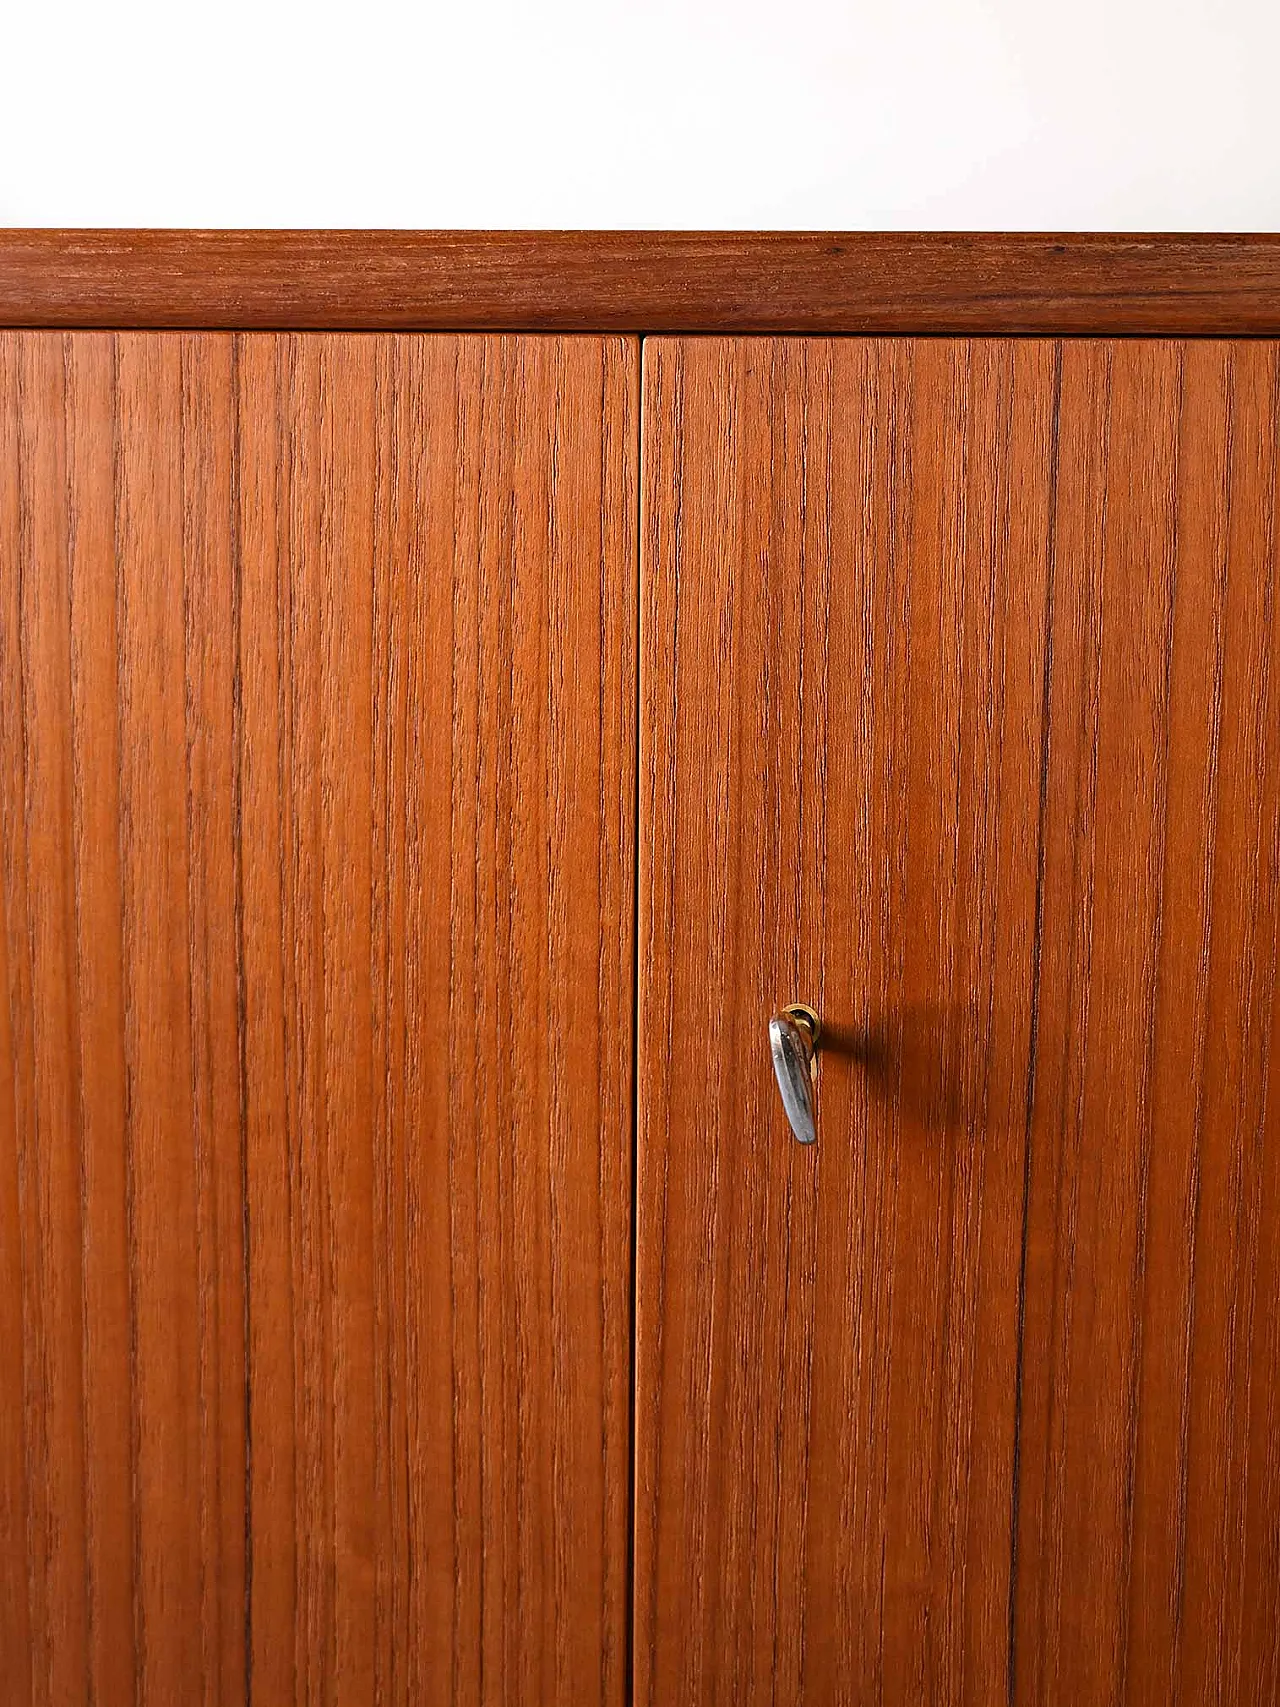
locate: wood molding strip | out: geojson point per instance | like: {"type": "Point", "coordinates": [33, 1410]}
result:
{"type": "Point", "coordinates": [820, 282]}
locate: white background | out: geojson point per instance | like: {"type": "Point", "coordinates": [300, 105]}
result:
{"type": "Point", "coordinates": [942, 114]}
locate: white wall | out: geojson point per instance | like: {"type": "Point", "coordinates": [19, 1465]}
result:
{"type": "Point", "coordinates": [1114, 114]}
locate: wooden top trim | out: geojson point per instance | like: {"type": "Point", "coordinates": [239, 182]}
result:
{"type": "Point", "coordinates": [629, 281]}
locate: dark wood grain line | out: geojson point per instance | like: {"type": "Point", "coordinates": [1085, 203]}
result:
{"type": "Point", "coordinates": [618, 786]}
{"type": "Point", "coordinates": [456, 1021]}
{"type": "Point", "coordinates": [78, 977]}
{"type": "Point", "coordinates": [656, 671]}
{"type": "Point", "coordinates": [1033, 1042]}
{"type": "Point", "coordinates": [235, 500]}
{"type": "Point", "coordinates": [130, 1163]}
{"type": "Point", "coordinates": [369, 900]}
{"type": "Point", "coordinates": [898, 762]}
{"type": "Point", "coordinates": [201, 1516]}
{"type": "Point", "coordinates": [15, 1452]}
{"type": "Point", "coordinates": [1162, 842]}
{"type": "Point", "coordinates": [270, 1132]}
{"type": "Point", "coordinates": [128, 1141]}
{"type": "Point", "coordinates": [638, 763]}
{"type": "Point", "coordinates": [556, 771]}
{"type": "Point", "coordinates": [473, 701]}
{"type": "Point", "coordinates": [388, 1310]}
{"type": "Point", "coordinates": [397, 1203]}
{"type": "Point", "coordinates": [658, 281]}
{"type": "Point", "coordinates": [214, 428]}
{"type": "Point", "coordinates": [21, 837]}
{"type": "Point", "coordinates": [1083, 876]}
{"type": "Point", "coordinates": [277, 1634]}
{"type": "Point", "coordinates": [31, 1194]}
{"type": "Point", "coordinates": [1210, 808]}
{"type": "Point", "coordinates": [99, 953]}
{"type": "Point", "coordinates": [297, 1636]}
{"type": "Point", "coordinates": [75, 834]}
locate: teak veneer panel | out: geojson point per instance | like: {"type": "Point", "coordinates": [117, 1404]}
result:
{"type": "Point", "coordinates": [1149, 1476]}
{"type": "Point", "coordinates": [959, 721]}
{"type": "Point", "coordinates": [317, 747]}
{"type": "Point", "coordinates": [647, 281]}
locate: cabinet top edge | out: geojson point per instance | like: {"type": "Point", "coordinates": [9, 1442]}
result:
{"type": "Point", "coordinates": [820, 282]}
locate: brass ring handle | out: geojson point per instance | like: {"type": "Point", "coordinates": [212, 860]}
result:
{"type": "Point", "coordinates": [793, 1043]}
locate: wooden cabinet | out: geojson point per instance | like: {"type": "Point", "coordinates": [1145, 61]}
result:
{"type": "Point", "coordinates": [427, 760]}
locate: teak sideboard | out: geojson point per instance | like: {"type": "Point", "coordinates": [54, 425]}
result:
{"type": "Point", "coordinates": [455, 690]}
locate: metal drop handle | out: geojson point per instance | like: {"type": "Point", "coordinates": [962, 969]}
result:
{"type": "Point", "coordinates": [793, 1042]}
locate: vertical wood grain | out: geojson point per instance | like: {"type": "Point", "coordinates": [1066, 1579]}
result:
{"type": "Point", "coordinates": [108, 1293]}
{"type": "Point", "coordinates": [209, 540]}
{"type": "Point", "coordinates": [126, 1159]}
{"type": "Point", "coordinates": [174, 645]}
{"type": "Point", "coordinates": [318, 665]}
{"type": "Point", "coordinates": [959, 670]}
{"type": "Point", "coordinates": [844, 567]}
{"type": "Point", "coordinates": [1149, 1505]}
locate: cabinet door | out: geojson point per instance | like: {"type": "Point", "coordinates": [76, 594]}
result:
{"type": "Point", "coordinates": [316, 748]}
{"type": "Point", "coordinates": [960, 722]}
